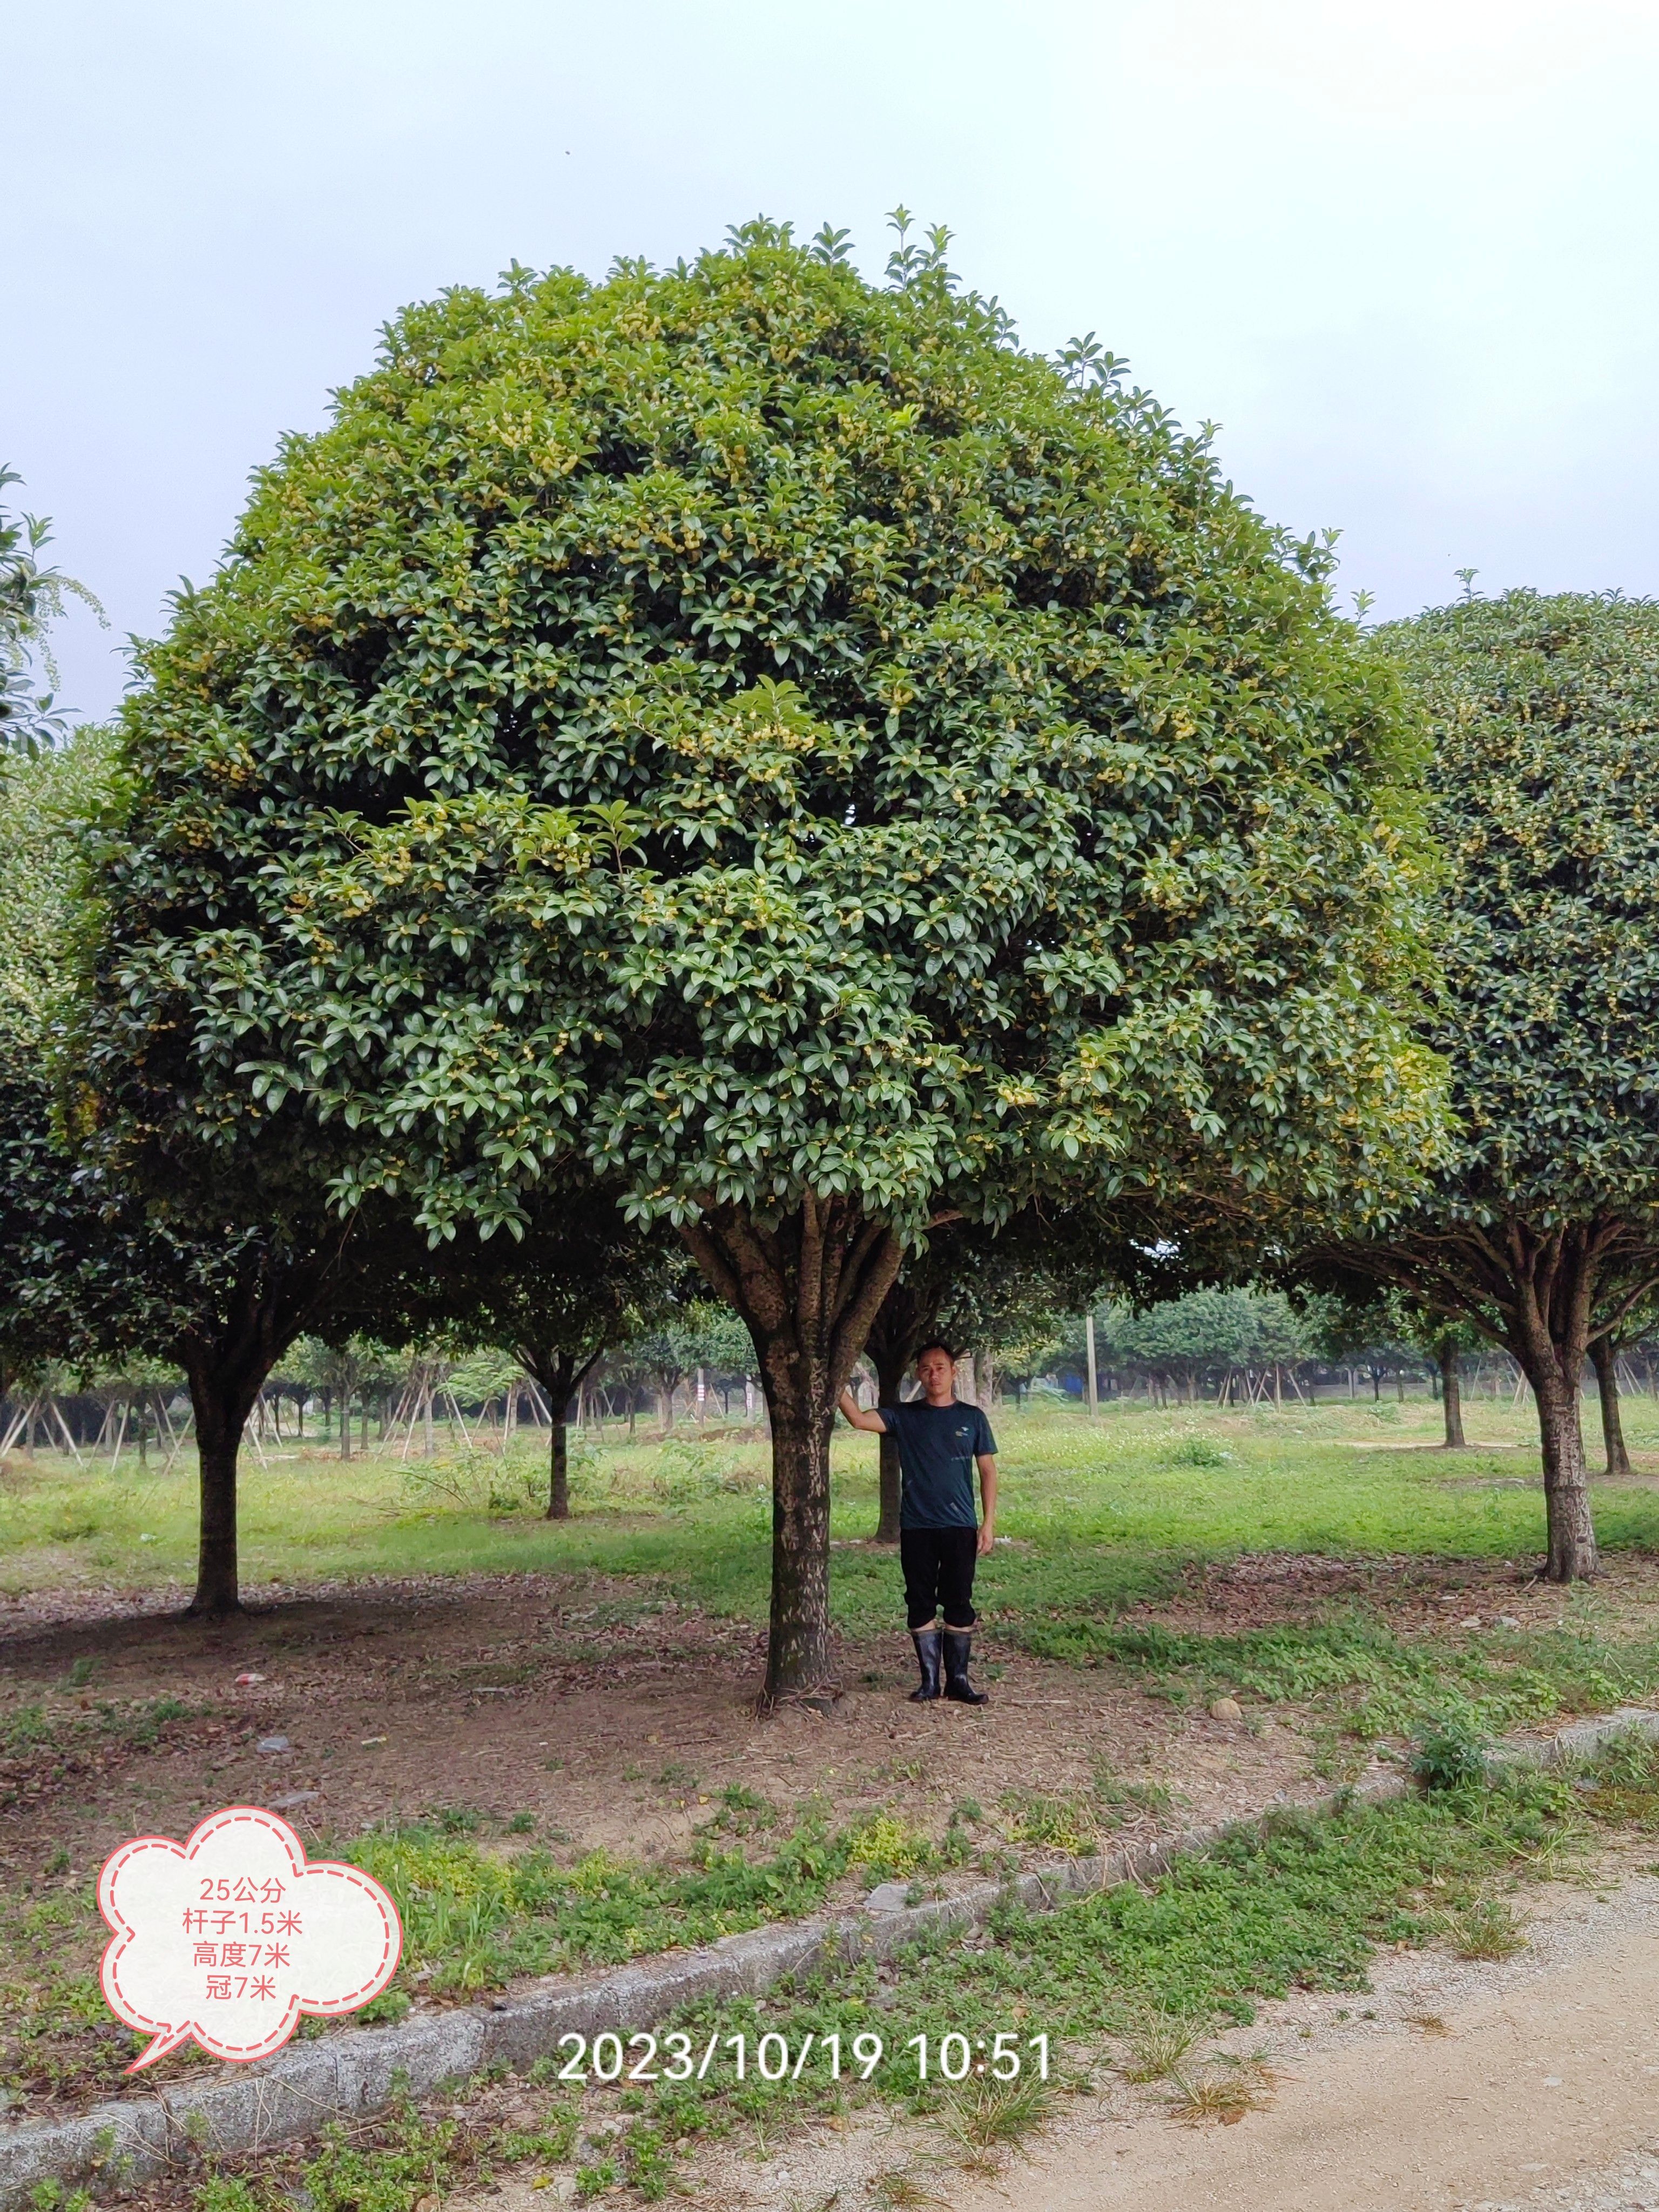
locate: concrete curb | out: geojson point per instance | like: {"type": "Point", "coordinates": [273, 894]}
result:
{"type": "Point", "coordinates": [349, 2074]}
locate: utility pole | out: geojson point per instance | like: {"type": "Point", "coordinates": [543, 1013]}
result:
{"type": "Point", "coordinates": [1094, 1386]}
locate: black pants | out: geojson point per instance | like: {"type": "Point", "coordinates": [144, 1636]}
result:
{"type": "Point", "coordinates": [939, 1572]}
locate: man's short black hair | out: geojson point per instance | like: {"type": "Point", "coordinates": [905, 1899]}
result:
{"type": "Point", "coordinates": [934, 1344]}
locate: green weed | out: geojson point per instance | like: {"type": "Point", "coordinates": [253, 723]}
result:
{"type": "Point", "coordinates": [1450, 1754]}
{"type": "Point", "coordinates": [1489, 1928]}
{"type": "Point", "coordinates": [1157, 2043]}
{"type": "Point", "coordinates": [988, 2117]}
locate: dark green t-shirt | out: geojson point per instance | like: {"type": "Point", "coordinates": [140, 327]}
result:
{"type": "Point", "coordinates": [938, 1446]}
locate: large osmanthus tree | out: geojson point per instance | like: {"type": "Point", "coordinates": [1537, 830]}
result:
{"type": "Point", "coordinates": [1542, 1228]}
{"type": "Point", "coordinates": [91, 1269]}
{"type": "Point", "coordinates": [763, 738]}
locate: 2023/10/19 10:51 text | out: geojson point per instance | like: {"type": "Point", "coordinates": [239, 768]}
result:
{"type": "Point", "coordinates": [642, 2057]}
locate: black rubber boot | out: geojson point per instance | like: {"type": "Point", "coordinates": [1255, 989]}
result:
{"type": "Point", "coordinates": [956, 1685]}
{"type": "Point", "coordinates": [926, 1641]}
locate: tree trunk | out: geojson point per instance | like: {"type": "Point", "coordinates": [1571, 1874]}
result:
{"type": "Point", "coordinates": [799, 1658]}
{"type": "Point", "coordinates": [1566, 1490]}
{"type": "Point", "coordinates": [227, 1354]}
{"type": "Point", "coordinates": [558, 1486]}
{"type": "Point", "coordinates": [560, 1372]}
{"type": "Point", "coordinates": [808, 1287]}
{"type": "Point", "coordinates": [1604, 1355]}
{"type": "Point", "coordinates": [1555, 1282]}
{"type": "Point", "coordinates": [890, 1377]}
{"type": "Point", "coordinates": [222, 1398]}
{"type": "Point", "coordinates": [217, 1587]}
{"type": "Point", "coordinates": [1451, 1393]}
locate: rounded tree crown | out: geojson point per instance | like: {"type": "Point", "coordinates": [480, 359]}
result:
{"type": "Point", "coordinates": [1545, 794]}
{"type": "Point", "coordinates": [753, 730]}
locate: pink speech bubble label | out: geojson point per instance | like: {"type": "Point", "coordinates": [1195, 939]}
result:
{"type": "Point", "coordinates": [230, 1936]}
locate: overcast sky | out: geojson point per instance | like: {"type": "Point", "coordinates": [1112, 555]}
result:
{"type": "Point", "coordinates": [1403, 252]}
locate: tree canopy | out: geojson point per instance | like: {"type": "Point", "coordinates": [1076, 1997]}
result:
{"type": "Point", "coordinates": [1542, 1227]}
{"type": "Point", "coordinates": [32, 597]}
{"type": "Point", "coordinates": [764, 739]}
{"type": "Point", "coordinates": [208, 1275]}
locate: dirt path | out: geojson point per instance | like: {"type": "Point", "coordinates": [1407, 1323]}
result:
{"type": "Point", "coordinates": [1447, 2087]}
{"type": "Point", "coordinates": [1542, 2089]}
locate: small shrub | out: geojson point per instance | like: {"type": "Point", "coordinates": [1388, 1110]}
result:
{"type": "Point", "coordinates": [1225, 2094]}
{"type": "Point", "coordinates": [1450, 1754]}
{"type": "Point", "coordinates": [1062, 1823]}
{"type": "Point", "coordinates": [887, 1845]}
{"type": "Point", "coordinates": [27, 1727]}
{"type": "Point", "coordinates": [901, 2191]}
{"type": "Point", "coordinates": [1201, 1451]}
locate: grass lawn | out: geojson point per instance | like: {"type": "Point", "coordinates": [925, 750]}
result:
{"type": "Point", "coordinates": [1097, 1513]}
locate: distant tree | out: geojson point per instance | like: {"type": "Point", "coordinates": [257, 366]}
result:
{"type": "Point", "coordinates": [1372, 1330]}
{"type": "Point", "coordinates": [1604, 1353]}
{"type": "Point", "coordinates": [1542, 1230]}
{"type": "Point", "coordinates": [580, 1281]}
{"type": "Point", "coordinates": [1388, 1332]}
{"type": "Point", "coordinates": [1210, 1334]}
{"type": "Point", "coordinates": [31, 599]}
{"type": "Point", "coordinates": [690, 1332]}
{"type": "Point", "coordinates": [1449, 1343]}
{"type": "Point", "coordinates": [94, 1269]}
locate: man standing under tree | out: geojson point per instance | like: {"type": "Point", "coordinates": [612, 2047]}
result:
{"type": "Point", "coordinates": [940, 1439]}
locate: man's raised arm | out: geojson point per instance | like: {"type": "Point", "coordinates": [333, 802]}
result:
{"type": "Point", "coordinates": [859, 1418]}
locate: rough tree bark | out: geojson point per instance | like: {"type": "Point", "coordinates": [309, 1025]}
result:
{"type": "Point", "coordinates": [1451, 1393]}
{"type": "Point", "coordinates": [221, 1399]}
{"type": "Point", "coordinates": [807, 1286]}
{"type": "Point", "coordinates": [1604, 1356]}
{"type": "Point", "coordinates": [1554, 1281]}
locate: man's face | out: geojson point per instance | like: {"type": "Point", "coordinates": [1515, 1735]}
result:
{"type": "Point", "coordinates": [936, 1374]}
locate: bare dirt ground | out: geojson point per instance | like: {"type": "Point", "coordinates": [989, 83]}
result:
{"type": "Point", "coordinates": [613, 1716]}
{"type": "Point", "coordinates": [523, 1696]}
